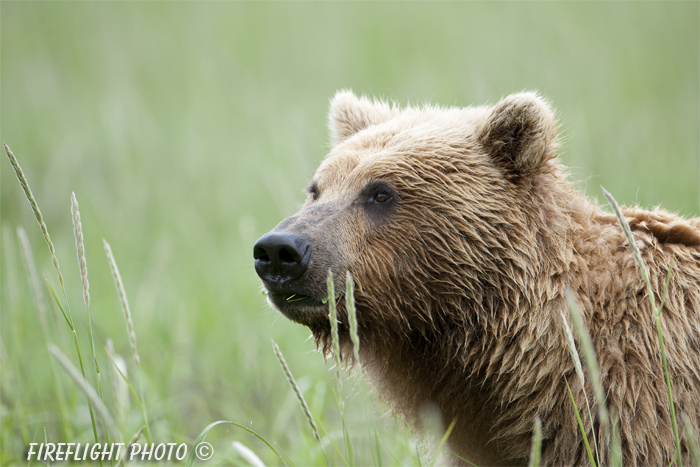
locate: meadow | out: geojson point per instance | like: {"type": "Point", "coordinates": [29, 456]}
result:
{"type": "Point", "coordinates": [188, 130]}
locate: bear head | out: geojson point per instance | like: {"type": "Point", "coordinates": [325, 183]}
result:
{"type": "Point", "coordinates": [433, 211]}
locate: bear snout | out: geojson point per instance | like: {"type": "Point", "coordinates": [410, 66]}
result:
{"type": "Point", "coordinates": [281, 257]}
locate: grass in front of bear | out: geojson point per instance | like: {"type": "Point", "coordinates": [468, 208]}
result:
{"type": "Point", "coordinates": [657, 311]}
{"type": "Point", "coordinates": [297, 392]}
{"type": "Point", "coordinates": [586, 346]}
{"type": "Point", "coordinates": [536, 448]}
{"type": "Point", "coordinates": [94, 398]}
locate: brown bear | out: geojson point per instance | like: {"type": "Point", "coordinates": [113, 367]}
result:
{"type": "Point", "coordinates": [462, 233]}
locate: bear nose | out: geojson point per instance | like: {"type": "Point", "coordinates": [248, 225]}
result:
{"type": "Point", "coordinates": [281, 256]}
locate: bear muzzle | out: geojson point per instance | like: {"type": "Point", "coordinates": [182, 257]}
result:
{"type": "Point", "coordinates": [281, 257]}
{"type": "Point", "coordinates": [281, 261]}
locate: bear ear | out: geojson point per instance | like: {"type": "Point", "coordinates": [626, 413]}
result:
{"type": "Point", "coordinates": [350, 114]}
{"type": "Point", "coordinates": [520, 134]}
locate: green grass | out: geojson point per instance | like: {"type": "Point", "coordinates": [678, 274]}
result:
{"type": "Point", "coordinates": [590, 358]}
{"type": "Point", "coordinates": [188, 130]}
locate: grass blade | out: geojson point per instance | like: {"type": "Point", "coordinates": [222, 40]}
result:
{"type": "Point", "coordinates": [123, 300]}
{"type": "Point", "coordinates": [352, 316]}
{"type": "Point", "coordinates": [45, 231]}
{"type": "Point", "coordinates": [593, 370]}
{"type": "Point", "coordinates": [630, 239]}
{"type": "Point", "coordinates": [692, 439]}
{"type": "Point", "coordinates": [69, 320]}
{"type": "Point", "coordinates": [46, 440]}
{"type": "Point", "coordinates": [572, 349]}
{"type": "Point", "coordinates": [189, 462]}
{"type": "Point", "coordinates": [32, 275]}
{"type": "Point", "coordinates": [80, 247]}
{"type": "Point", "coordinates": [33, 279]}
{"type": "Point", "coordinates": [129, 327]}
{"type": "Point", "coordinates": [35, 208]}
{"type": "Point", "coordinates": [580, 425]}
{"type": "Point", "coordinates": [133, 439]}
{"type": "Point", "coordinates": [657, 312]}
{"type": "Point", "coordinates": [333, 316]}
{"type": "Point", "coordinates": [536, 449]}
{"type": "Point", "coordinates": [443, 440]}
{"type": "Point", "coordinates": [592, 365]}
{"type": "Point", "coordinates": [297, 391]}
{"type": "Point", "coordinates": [60, 307]}
{"type": "Point", "coordinates": [355, 338]}
{"type": "Point", "coordinates": [126, 380]}
{"type": "Point", "coordinates": [85, 387]}
{"type": "Point", "coordinates": [246, 453]}
{"type": "Point", "coordinates": [615, 447]}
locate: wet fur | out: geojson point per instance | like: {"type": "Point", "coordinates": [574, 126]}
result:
{"type": "Point", "coordinates": [459, 288]}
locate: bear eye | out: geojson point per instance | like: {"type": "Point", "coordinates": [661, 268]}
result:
{"type": "Point", "coordinates": [313, 191]}
{"type": "Point", "coordinates": [379, 193]}
{"type": "Point", "coordinates": [381, 198]}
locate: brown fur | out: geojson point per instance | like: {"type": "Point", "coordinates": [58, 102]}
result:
{"type": "Point", "coordinates": [460, 283]}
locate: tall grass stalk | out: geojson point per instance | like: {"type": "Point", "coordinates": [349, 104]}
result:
{"type": "Point", "coordinates": [615, 442]}
{"type": "Point", "coordinates": [591, 459]}
{"type": "Point", "coordinates": [246, 453]}
{"type": "Point", "coordinates": [691, 436]}
{"type": "Point", "coordinates": [33, 279]}
{"type": "Point", "coordinates": [355, 338]}
{"type": "Point", "coordinates": [352, 316]}
{"type": "Point", "coordinates": [442, 442]}
{"type": "Point", "coordinates": [190, 459]}
{"type": "Point", "coordinates": [591, 364]}
{"type": "Point", "coordinates": [9, 278]}
{"type": "Point", "coordinates": [123, 300]}
{"type": "Point", "coordinates": [124, 379]}
{"type": "Point", "coordinates": [333, 316]}
{"type": "Point", "coordinates": [45, 231]}
{"type": "Point", "coordinates": [82, 263]}
{"type": "Point", "coordinates": [536, 447]}
{"type": "Point", "coordinates": [129, 329]}
{"type": "Point", "coordinates": [46, 441]}
{"type": "Point", "coordinates": [657, 311]}
{"type": "Point", "coordinates": [32, 276]}
{"type": "Point", "coordinates": [35, 208]}
{"type": "Point", "coordinates": [84, 386]}
{"type": "Point", "coordinates": [120, 385]}
{"type": "Point", "coordinates": [133, 440]}
{"type": "Point", "coordinates": [297, 392]}
{"type": "Point", "coordinates": [579, 372]}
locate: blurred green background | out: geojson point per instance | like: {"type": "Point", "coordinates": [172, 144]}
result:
{"type": "Point", "coordinates": [189, 129]}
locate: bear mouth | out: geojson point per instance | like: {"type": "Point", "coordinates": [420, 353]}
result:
{"type": "Point", "coordinates": [297, 307]}
{"type": "Point", "coordinates": [290, 300]}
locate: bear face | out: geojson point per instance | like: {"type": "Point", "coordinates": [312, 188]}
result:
{"type": "Point", "coordinates": [418, 205]}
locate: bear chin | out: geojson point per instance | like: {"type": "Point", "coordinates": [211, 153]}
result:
{"type": "Point", "coordinates": [298, 308]}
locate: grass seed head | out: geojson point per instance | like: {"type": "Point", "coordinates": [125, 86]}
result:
{"type": "Point", "coordinates": [80, 247]}
{"type": "Point", "coordinates": [123, 300]}
{"type": "Point", "coordinates": [297, 391]}
{"type": "Point", "coordinates": [35, 208]}
{"type": "Point", "coordinates": [352, 316]}
{"type": "Point", "coordinates": [572, 349]}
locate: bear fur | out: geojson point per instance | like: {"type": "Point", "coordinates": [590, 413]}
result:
{"type": "Point", "coordinates": [463, 234]}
